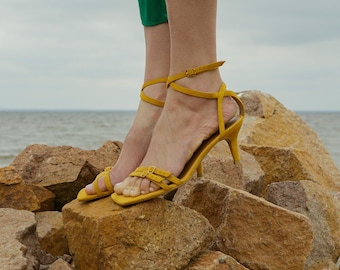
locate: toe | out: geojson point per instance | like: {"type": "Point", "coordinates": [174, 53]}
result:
{"type": "Point", "coordinates": [89, 189]}
{"type": "Point", "coordinates": [119, 187]}
{"type": "Point", "coordinates": [132, 187]}
{"type": "Point", "coordinates": [145, 186]}
{"type": "Point", "coordinates": [153, 187]}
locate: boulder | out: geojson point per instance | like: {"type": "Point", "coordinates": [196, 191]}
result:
{"type": "Point", "coordinates": [17, 240]}
{"type": "Point", "coordinates": [153, 235]}
{"type": "Point", "coordinates": [213, 222]}
{"type": "Point", "coordinates": [16, 194]}
{"type": "Point", "coordinates": [51, 233]}
{"type": "Point", "coordinates": [219, 166]}
{"type": "Point", "coordinates": [283, 144]}
{"type": "Point", "coordinates": [60, 264]}
{"type": "Point", "coordinates": [214, 260]}
{"type": "Point", "coordinates": [315, 202]}
{"type": "Point", "coordinates": [64, 170]}
{"type": "Point", "coordinates": [257, 233]}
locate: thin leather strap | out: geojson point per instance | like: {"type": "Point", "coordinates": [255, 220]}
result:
{"type": "Point", "coordinates": [219, 95]}
{"type": "Point", "coordinates": [151, 100]}
{"type": "Point", "coordinates": [194, 71]}
{"type": "Point", "coordinates": [157, 176]}
{"type": "Point", "coordinates": [107, 181]}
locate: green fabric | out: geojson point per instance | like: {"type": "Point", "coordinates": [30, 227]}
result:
{"type": "Point", "coordinates": [152, 12]}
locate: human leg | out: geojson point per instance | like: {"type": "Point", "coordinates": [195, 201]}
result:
{"type": "Point", "coordinates": [157, 62]}
{"type": "Point", "coordinates": [186, 121]}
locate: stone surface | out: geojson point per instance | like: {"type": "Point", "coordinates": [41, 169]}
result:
{"type": "Point", "coordinates": [215, 260]}
{"type": "Point", "coordinates": [314, 201]}
{"type": "Point", "coordinates": [16, 230]}
{"type": "Point", "coordinates": [282, 160]}
{"type": "Point", "coordinates": [60, 264]}
{"type": "Point", "coordinates": [64, 170]}
{"type": "Point", "coordinates": [258, 234]}
{"type": "Point", "coordinates": [219, 166]}
{"type": "Point", "coordinates": [51, 233]}
{"type": "Point", "coordinates": [285, 146]}
{"type": "Point", "coordinates": [156, 235]}
{"type": "Point", "coordinates": [14, 193]}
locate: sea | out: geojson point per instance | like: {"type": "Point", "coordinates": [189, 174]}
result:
{"type": "Point", "coordinates": [90, 129]}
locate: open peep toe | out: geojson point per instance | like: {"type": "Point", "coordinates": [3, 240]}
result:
{"type": "Point", "coordinates": [82, 195]}
{"type": "Point", "coordinates": [226, 131]}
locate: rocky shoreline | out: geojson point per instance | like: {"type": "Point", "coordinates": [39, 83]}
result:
{"type": "Point", "coordinates": [279, 208]}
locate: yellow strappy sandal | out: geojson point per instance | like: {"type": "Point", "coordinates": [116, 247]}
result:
{"type": "Point", "coordinates": [82, 195]}
{"type": "Point", "coordinates": [226, 131]}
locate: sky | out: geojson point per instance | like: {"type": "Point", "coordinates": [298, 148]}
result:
{"type": "Point", "coordinates": [89, 55]}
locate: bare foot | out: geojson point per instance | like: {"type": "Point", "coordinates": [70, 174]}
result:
{"type": "Point", "coordinates": [137, 140]}
{"type": "Point", "coordinates": [184, 124]}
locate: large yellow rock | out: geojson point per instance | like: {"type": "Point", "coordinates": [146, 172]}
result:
{"type": "Point", "coordinates": [16, 194]}
{"type": "Point", "coordinates": [153, 235]}
{"type": "Point", "coordinates": [219, 166]}
{"type": "Point", "coordinates": [18, 243]}
{"type": "Point", "coordinates": [51, 233]}
{"type": "Point", "coordinates": [258, 234]}
{"type": "Point", "coordinates": [283, 144]}
{"type": "Point", "coordinates": [64, 170]}
{"type": "Point", "coordinates": [314, 201]}
{"type": "Point", "coordinates": [214, 260]}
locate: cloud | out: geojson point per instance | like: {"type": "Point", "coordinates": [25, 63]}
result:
{"type": "Point", "coordinates": [285, 22]}
{"type": "Point", "coordinates": [52, 52]}
{"type": "Point", "coordinates": [288, 49]}
{"type": "Point", "coordinates": [84, 54]}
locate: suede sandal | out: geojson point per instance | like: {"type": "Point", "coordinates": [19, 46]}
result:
{"type": "Point", "coordinates": [82, 195]}
{"type": "Point", "coordinates": [226, 131]}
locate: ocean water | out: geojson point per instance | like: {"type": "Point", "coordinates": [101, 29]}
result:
{"type": "Point", "coordinates": [90, 129]}
{"type": "Point", "coordinates": [84, 129]}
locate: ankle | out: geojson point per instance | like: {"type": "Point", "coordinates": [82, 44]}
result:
{"type": "Point", "coordinates": [156, 91]}
{"type": "Point", "coordinates": [206, 82]}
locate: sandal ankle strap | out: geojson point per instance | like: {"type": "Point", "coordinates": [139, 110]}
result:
{"type": "Point", "coordinates": [151, 100]}
{"type": "Point", "coordinates": [194, 71]}
{"type": "Point", "coordinates": [218, 95]}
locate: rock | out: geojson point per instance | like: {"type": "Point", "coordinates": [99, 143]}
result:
{"type": "Point", "coordinates": [258, 234]}
{"type": "Point", "coordinates": [14, 193]}
{"type": "Point", "coordinates": [314, 201]}
{"type": "Point", "coordinates": [64, 170]}
{"type": "Point", "coordinates": [17, 240]}
{"type": "Point", "coordinates": [282, 160]}
{"type": "Point", "coordinates": [214, 260]}
{"type": "Point", "coordinates": [60, 264]}
{"type": "Point", "coordinates": [51, 233]}
{"type": "Point", "coordinates": [20, 248]}
{"type": "Point", "coordinates": [156, 235]}
{"type": "Point", "coordinates": [285, 146]}
{"type": "Point", "coordinates": [246, 175]}
{"type": "Point", "coordinates": [45, 197]}
{"type": "Point", "coordinates": [106, 155]}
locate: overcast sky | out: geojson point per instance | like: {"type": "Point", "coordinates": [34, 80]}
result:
{"type": "Point", "coordinates": [89, 55]}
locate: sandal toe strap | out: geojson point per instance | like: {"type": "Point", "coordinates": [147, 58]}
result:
{"type": "Point", "coordinates": [162, 178]}
{"type": "Point", "coordinates": [106, 175]}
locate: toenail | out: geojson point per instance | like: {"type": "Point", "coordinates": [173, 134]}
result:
{"type": "Point", "coordinates": [151, 189]}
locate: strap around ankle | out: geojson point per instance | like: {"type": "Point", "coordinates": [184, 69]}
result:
{"type": "Point", "coordinates": [148, 99]}
{"type": "Point", "coordinates": [194, 71]}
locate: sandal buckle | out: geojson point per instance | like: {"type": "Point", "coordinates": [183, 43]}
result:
{"type": "Point", "coordinates": [190, 72]}
{"type": "Point", "coordinates": [150, 170]}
